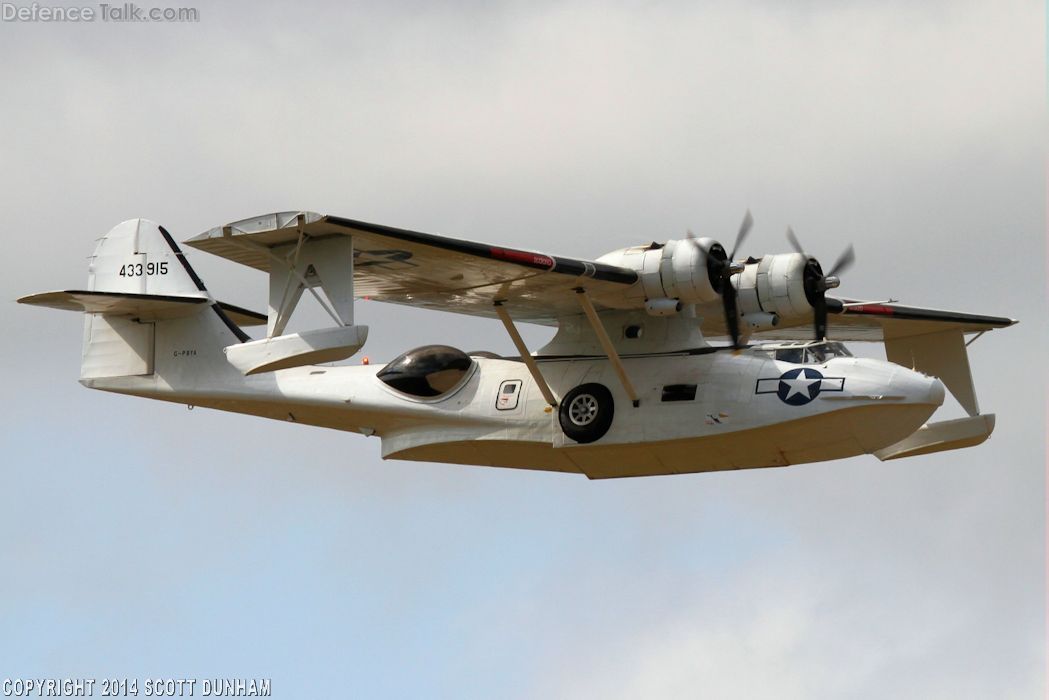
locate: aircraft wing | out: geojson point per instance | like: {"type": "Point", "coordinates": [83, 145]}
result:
{"type": "Point", "coordinates": [879, 322]}
{"type": "Point", "coordinates": [450, 274]}
{"type": "Point", "coordinates": [430, 271]}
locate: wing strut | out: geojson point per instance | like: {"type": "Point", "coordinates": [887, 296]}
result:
{"type": "Point", "coordinates": [606, 343]}
{"type": "Point", "coordinates": [526, 356]}
{"type": "Point", "coordinates": [329, 261]}
{"type": "Point", "coordinates": [295, 267]}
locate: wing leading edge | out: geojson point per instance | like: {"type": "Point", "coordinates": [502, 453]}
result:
{"type": "Point", "coordinates": [881, 321]}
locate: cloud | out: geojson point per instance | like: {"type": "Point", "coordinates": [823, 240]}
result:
{"type": "Point", "coordinates": [141, 536]}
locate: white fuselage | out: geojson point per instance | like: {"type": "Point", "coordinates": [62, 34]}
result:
{"type": "Point", "coordinates": [701, 410]}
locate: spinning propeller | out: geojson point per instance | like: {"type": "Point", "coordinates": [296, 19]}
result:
{"type": "Point", "coordinates": [817, 283]}
{"type": "Point", "coordinates": [720, 268]}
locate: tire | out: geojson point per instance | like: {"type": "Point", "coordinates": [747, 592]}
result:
{"type": "Point", "coordinates": [586, 412]}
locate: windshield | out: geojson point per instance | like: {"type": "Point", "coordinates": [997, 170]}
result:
{"type": "Point", "coordinates": [814, 354]}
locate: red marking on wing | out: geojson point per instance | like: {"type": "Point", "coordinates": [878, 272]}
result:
{"type": "Point", "coordinates": [879, 309]}
{"type": "Point", "coordinates": [520, 256]}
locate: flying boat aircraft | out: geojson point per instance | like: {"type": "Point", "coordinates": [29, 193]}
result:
{"type": "Point", "coordinates": [629, 385]}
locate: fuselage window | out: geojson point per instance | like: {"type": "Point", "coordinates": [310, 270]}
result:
{"type": "Point", "coordinates": [509, 395]}
{"type": "Point", "coordinates": [679, 392]}
{"type": "Point", "coordinates": [428, 371]}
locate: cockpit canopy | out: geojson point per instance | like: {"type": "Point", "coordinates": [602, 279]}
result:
{"type": "Point", "coordinates": [810, 353]}
{"type": "Point", "coordinates": [429, 371]}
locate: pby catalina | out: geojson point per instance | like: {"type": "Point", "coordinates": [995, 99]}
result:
{"type": "Point", "coordinates": [628, 386]}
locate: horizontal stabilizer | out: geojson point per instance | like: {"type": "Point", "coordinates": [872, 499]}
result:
{"type": "Point", "coordinates": [940, 437]}
{"type": "Point", "coordinates": [144, 307]}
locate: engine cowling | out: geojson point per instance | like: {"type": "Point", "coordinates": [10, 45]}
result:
{"type": "Point", "coordinates": [774, 285]}
{"type": "Point", "coordinates": [678, 269]}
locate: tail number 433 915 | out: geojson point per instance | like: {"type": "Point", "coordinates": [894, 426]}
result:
{"type": "Point", "coordinates": [138, 269]}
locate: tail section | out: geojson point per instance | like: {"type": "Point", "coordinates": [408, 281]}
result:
{"type": "Point", "coordinates": [140, 257]}
{"type": "Point", "coordinates": [141, 290]}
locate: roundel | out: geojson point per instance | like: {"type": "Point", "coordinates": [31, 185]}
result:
{"type": "Point", "coordinates": [799, 386]}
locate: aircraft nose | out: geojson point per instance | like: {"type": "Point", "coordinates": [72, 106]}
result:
{"type": "Point", "coordinates": [936, 391]}
{"type": "Point", "coordinates": [919, 388]}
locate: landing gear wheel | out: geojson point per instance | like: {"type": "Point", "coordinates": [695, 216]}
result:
{"type": "Point", "coordinates": [586, 412]}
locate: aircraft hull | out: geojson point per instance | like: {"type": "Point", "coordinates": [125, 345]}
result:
{"type": "Point", "coordinates": [743, 414]}
{"type": "Point", "coordinates": [843, 433]}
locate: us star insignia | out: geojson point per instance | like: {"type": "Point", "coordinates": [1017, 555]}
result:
{"type": "Point", "coordinates": [797, 387]}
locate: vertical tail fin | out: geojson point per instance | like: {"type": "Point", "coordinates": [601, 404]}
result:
{"type": "Point", "coordinates": [137, 278]}
{"type": "Point", "coordinates": [139, 257]}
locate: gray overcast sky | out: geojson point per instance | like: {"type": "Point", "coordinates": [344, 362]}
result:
{"type": "Point", "coordinates": [139, 539]}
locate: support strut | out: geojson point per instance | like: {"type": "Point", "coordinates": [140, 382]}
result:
{"type": "Point", "coordinates": [526, 356]}
{"type": "Point", "coordinates": [606, 344]}
{"type": "Point", "coordinates": [288, 281]}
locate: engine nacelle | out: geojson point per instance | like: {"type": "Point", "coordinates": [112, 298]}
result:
{"type": "Point", "coordinates": [774, 285]}
{"type": "Point", "coordinates": [675, 270]}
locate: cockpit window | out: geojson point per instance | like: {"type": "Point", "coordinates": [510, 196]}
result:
{"type": "Point", "coordinates": [821, 352]}
{"type": "Point", "coordinates": [814, 354]}
{"type": "Point", "coordinates": [795, 355]}
{"type": "Point", "coordinates": [428, 371]}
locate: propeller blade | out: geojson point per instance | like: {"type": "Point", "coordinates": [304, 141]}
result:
{"type": "Point", "coordinates": [728, 300]}
{"type": "Point", "coordinates": [721, 270]}
{"type": "Point", "coordinates": [820, 318]}
{"type": "Point", "coordinates": [818, 282]}
{"type": "Point", "coordinates": [843, 263]}
{"type": "Point", "coordinates": [794, 241]}
{"type": "Point", "coordinates": [691, 238]}
{"type": "Point", "coordinates": [744, 231]}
